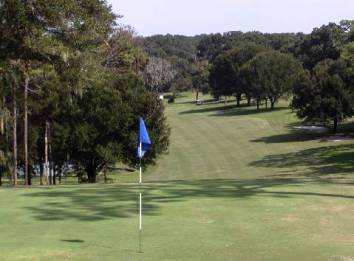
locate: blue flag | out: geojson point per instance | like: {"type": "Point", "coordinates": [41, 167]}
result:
{"type": "Point", "coordinates": [143, 139]}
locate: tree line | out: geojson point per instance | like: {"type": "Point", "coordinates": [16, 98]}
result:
{"type": "Point", "coordinates": [72, 87]}
{"type": "Point", "coordinates": [315, 70]}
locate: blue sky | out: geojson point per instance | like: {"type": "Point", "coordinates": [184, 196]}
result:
{"type": "Point", "coordinates": [190, 17]}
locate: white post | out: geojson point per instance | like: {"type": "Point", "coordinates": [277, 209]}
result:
{"type": "Point", "coordinates": [140, 199]}
{"type": "Point", "coordinates": [140, 214]}
{"type": "Point", "coordinates": [140, 182]}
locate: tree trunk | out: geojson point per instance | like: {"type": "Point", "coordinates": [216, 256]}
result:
{"type": "Point", "coordinates": [30, 172]}
{"type": "Point", "coordinates": [54, 175]}
{"type": "Point", "coordinates": [60, 172]}
{"type": "Point", "coordinates": [335, 125]}
{"type": "Point", "coordinates": [238, 99]}
{"type": "Point", "coordinates": [2, 119]}
{"type": "Point", "coordinates": [272, 102]}
{"type": "Point", "coordinates": [257, 104]}
{"type": "Point", "coordinates": [266, 100]}
{"type": "Point", "coordinates": [46, 165]}
{"type": "Point", "coordinates": [91, 174]}
{"type": "Point", "coordinates": [25, 138]}
{"type": "Point", "coordinates": [248, 100]}
{"type": "Point", "coordinates": [196, 95]}
{"type": "Point", "coordinates": [14, 133]}
{"type": "Point", "coordinates": [41, 170]}
{"type": "Point", "coordinates": [105, 174]}
{"type": "Point", "coordinates": [50, 161]}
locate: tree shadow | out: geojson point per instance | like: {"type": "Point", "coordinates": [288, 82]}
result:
{"type": "Point", "coordinates": [121, 201]}
{"type": "Point", "coordinates": [244, 111]}
{"type": "Point", "coordinates": [89, 204]}
{"type": "Point", "coordinates": [209, 109]}
{"type": "Point", "coordinates": [318, 162]}
{"type": "Point", "coordinates": [121, 169]}
{"type": "Point", "coordinates": [73, 240]}
{"type": "Point", "coordinates": [232, 110]}
{"type": "Point", "coordinates": [294, 136]}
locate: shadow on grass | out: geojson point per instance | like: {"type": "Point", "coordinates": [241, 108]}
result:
{"type": "Point", "coordinates": [73, 240]}
{"type": "Point", "coordinates": [232, 110]}
{"type": "Point", "coordinates": [293, 136]}
{"type": "Point", "coordinates": [319, 162]}
{"type": "Point", "coordinates": [95, 203]}
{"type": "Point", "coordinates": [245, 110]}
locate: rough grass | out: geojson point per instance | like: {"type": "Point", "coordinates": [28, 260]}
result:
{"type": "Point", "coordinates": [237, 185]}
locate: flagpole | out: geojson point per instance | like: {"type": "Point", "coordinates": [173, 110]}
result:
{"type": "Point", "coordinates": [140, 199]}
{"type": "Point", "coordinates": [144, 139]}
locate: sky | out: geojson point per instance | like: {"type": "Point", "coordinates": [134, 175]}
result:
{"type": "Point", "coordinates": [191, 17]}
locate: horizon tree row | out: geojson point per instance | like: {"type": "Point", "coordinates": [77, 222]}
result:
{"type": "Point", "coordinates": [317, 72]}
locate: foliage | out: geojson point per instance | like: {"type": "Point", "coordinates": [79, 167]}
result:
{"type": "Point", "coordinates": [325, 95]}
{"type": "Point", "coordinates": [324, 43]}
{"type": "Point", "coordinates": [80, 72]}
{"type": "Point", "coordinates": [226, 77]}
{"type": "Point", "coordinates": [158, 74]}
{"type": "Point", "coordinates": [274, 74]}
{"type": "Point", "coordinates": [180, 51]}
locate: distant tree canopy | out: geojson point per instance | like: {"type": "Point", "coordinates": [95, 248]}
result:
{"type": "Point", "coordinates": [180, 51]}
{"type": "Point", "coordinates": [324, 43]}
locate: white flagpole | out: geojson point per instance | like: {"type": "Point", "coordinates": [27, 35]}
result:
{"type": "Point", "coordinates": [140, 213]}
{"type": "Point", "coordinates": [140, 198]}
{"type": "Point", "coordinates": [140, 174]}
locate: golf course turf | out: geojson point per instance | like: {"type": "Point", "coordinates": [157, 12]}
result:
{"type": "Point", "coordinates": [237, 184]}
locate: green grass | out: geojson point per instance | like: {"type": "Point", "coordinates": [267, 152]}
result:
{"type": "Point", "coordinates": [236, 185]}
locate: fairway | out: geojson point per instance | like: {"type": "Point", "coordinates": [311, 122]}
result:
{"type": "Point", "coordinates": [237, 184]}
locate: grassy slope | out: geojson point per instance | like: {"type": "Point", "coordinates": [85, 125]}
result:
{"type": "Point", "coordinates": [237, 185]}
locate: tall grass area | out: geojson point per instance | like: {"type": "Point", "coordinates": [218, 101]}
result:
{"type": "Point", "coordinates": [237, 184]}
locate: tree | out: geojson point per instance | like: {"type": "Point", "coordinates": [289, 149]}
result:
{"type": "Point", "coordinates": [178, 50]}
{"type": "Point", "coordinates": [201, 78]}
{"type": "Point", "coordinates": [221, 77]}
{"type": "Point", "coordinates": [158, 74]}
{"type": "Point", "coordinates": [34, 31]}
{"type": "Point", "coordinates": [255, 88]}
{"type": "Point", "coordinates": [226, 77]}
{"type": "Point", "coordinates": [100, 128]}
{"type": "Point", "coordinates": [274, 74]}
{"type": "Point", "coordinates": [241, 55]}
{"type": "Point", "coordinates": [325, 95]}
